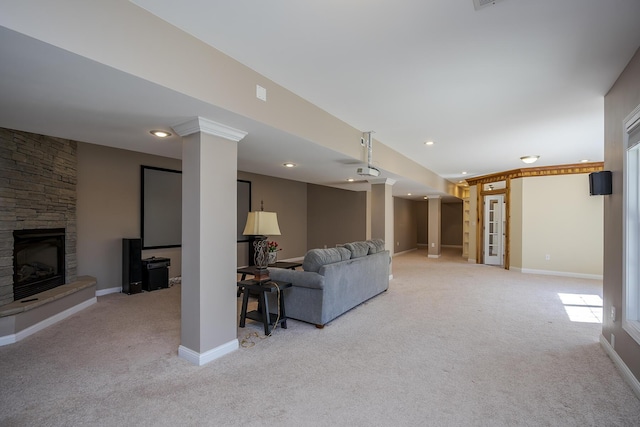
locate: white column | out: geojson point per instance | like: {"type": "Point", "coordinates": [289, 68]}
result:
{"type": "Point", "coordinates": [434, 226]}
{"type": "Point", "coordinates": [209, 193]}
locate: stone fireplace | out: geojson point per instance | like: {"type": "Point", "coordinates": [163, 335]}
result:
{"type": "Point", "coordinates": [37, 194]}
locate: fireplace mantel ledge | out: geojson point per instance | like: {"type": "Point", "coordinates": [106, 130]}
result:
{"type": "Point", "coordinates": [45, 297]}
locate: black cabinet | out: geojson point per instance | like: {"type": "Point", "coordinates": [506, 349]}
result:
{"type": "Point", "coordinates": [155, 273]}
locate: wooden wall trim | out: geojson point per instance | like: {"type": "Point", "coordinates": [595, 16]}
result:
{"type": "Point", "coordinates": [538, 171]}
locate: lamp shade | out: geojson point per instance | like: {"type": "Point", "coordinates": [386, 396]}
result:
{"type": "Point", "coordinates": [261, 223]}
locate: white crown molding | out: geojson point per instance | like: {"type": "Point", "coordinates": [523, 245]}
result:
{"type": "Point", "coordinates": [389, 181]}
{"type": "Point", "coordinates": [200, 124]}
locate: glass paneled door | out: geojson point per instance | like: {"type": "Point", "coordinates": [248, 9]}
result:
{"type": "Point", "coordinates": [494, 222]}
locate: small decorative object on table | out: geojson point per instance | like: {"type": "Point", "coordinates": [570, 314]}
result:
{"type": "Point", "coordinates": [272, 246]}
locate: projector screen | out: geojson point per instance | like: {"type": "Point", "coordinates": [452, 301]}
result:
{"type": "Point", "coordinates": [161, 208]}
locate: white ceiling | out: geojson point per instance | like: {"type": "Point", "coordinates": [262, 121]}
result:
{"type": "Point", "coordinates": [516, 78]}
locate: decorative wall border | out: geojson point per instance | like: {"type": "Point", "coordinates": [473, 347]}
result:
{"type": "Point", "coordinates": [569, 169]}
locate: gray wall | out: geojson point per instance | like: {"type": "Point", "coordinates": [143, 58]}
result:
{"type": "Point", "coordinates": [623, 97]}
{"type": "Point", "coordinates": [289, 200]}
{"type": "Point", "coordinates": [451, 224]}
{"type": "Point", "coordinates": [335, 216]}
{"type": "Point", "coordinates": [109, 210]}
{"type": "Point", "coordinates": [405, 218]}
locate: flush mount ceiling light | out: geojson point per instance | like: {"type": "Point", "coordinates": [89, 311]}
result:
{"type": "Point", "coordinates": [160, 133]}
{"type": "Point", "coordinates": [529, 159]}
{"type": "Point", "coordinates": [350, 179]}
{"type": "Point", "coordinates": [289, 165]}
{"type": "Point", "coordinates": [429, 143]}
{"type": "Point", "coordinates": [584, 161]}
{"type": "Point", "coordinates": [464, 172]}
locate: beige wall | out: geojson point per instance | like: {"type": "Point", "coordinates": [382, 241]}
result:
{"type": "Point", "coordinates": [405, 216]}
{"type": "Point", "coordinates": [623, 97]}
{"type": "Point", "coordinates": [335, 216]}
{"type": "Point", "coordinates": [555, 216]}
{"type": "Point", "coordinates": [561, 220]}
{"type": "Point", "coordinates": [289, 200]}
{"type": "Point", "coordinates": [108, 210]}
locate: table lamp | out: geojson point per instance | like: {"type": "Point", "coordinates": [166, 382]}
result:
{"type": "Point", "coordinates": [261, 224]}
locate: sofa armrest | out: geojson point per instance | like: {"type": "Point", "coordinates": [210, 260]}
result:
{"type": "Point", "coordinates": [305, 279]}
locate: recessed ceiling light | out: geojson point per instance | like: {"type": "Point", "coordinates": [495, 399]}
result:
{"type": "Point", "coordinates": [464, 173]}
{"type": "Point", "coordinates": [584, 161]}
{"type": "Point", "coordinates": [408, 194]}
{"type": "Point", "coordinates": [425, 197]}
{"type": "Point", "coordinates": [429, 143]}
{"type": "Point", "coordinates": [289, 165]}
{"type": "Point", "coordinates": [350, 179]}
{"type": "Point", "coordinates": [529, 159]}
{"type": "Point", "coordinates": [160, 133]}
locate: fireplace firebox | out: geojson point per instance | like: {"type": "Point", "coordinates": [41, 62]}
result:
{"type": "Point", "coordinates": [38, 261]}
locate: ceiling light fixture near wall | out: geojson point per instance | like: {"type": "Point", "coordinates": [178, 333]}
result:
{"type": "Point", "coordinates": [160, 133]}
{"type": "Point", "coordinates": [529, 159]}
{"type": "Point", "coordinates": [585, 161]}
{"type": "Point", "coordinates": [464, 172]}
{"type": "Point", "coordinates": [429, 143]}
{"type": "Point", "coordinates": [289, 165]}
{"type": "Point", "coordinates": [350, 179]}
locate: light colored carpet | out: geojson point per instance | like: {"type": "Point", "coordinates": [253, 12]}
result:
{"type": "Point", "coordinates": [449, 344]}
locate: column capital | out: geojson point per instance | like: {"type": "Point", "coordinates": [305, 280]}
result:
{"type": "Point", "coordinates": [200, 124]}
{"type": "Point", "coordinates": [434, 197]}
{"type": "Point", "coordinates": [388, 181]}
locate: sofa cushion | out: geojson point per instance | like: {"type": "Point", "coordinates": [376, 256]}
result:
{"type": "Point", "coordinates": [358, 249]}
{"type": "Point", "coordinates": [316, 258]}
{"type": "Point", "coordinates": [375, 246]}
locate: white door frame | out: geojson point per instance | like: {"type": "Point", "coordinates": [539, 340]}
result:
{"type": "Point", "coordinates": [494, 229]}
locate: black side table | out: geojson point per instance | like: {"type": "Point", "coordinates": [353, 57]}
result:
{"type": "Point", "coordinates": [262, 314]}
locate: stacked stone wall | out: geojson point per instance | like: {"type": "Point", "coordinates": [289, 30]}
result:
{"type": "Point", "coordinates": [38, 176]}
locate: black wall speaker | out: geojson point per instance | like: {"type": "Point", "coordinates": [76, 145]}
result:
{"type": "Point", "coordinates": [131, 266]}
{"type": "Point", "coordinates": [600, 183]}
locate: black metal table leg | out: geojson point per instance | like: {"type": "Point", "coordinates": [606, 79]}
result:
{"type": "Point", "coordinates": [243, 312]}
{"type": "Point", "coordinates": [265, 311]}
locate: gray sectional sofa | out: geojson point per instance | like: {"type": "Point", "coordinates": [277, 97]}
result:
{"type": "Point", "coordinates": [333, 281]}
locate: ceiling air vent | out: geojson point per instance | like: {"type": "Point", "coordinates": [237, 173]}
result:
{"type": "Point", "coordinates": [479, 4]}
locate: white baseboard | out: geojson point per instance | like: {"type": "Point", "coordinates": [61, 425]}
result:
{"type": "Point", "coordinates": [557, 273]}
{"type": "Point", "coordinates": [13, 338]}
{"type": "Point", "coordinates": [622, 367]}
{"type": "Point", "coordinates": [404, 252]}
{"type": "Point", "coordinates": [101, 292]}
{"type": "Point", "coordinates": [200, 359]}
